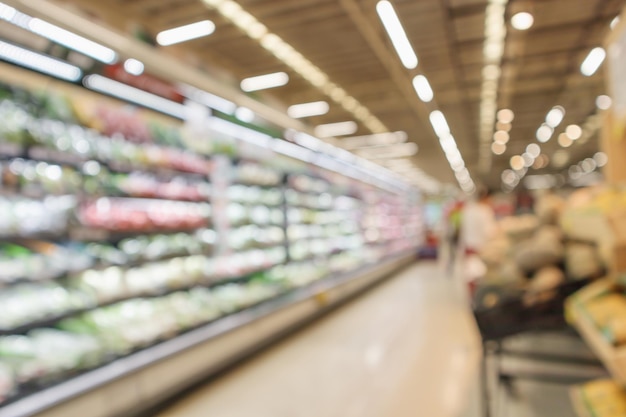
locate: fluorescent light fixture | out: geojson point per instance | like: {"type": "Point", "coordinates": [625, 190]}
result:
{"type": "Point", "coordinates": [397, 34]}
{"type": "Point", "coordinates": [72, 41]}
{"type": "Point", "coordinates": [544, 133]}
{"type": "Point", "coordinates": [336, 129]}
{"type": "Point", "coordinates": [185, 33]}
{"type": "Point", "coordinates": [439, 123]}
{"type": "Point", "coordinates": [555, 116]}
{"type": "Point", "coordinates": [240, 132]}
{"type": "Point", "coordinates": [308, 141]}
{"type": "Point", "coordinates": [294, 151]}
{"type": "Point", "coordinates": [262, 82]}
{"type": "Point", "coordinates": [389, 152]}
{"type": "Point", "coordinates": [522, 21]}
{"type": "Point", "coordinates": [125, 92]}
{"type": "Point", "coordinates": [7, 13]}
{"type": "Point", "coordinates": [593, 61]}
{"type": "Point", "coordinates": [39, 62]}
{"type": "Point", "coordinates": [423, 89]}
{"type": "Point", "coordinates": [245, 114]}
{"type": "Point", "coordinates": [215, 102]}
{"type": "Point", "coordinates": [314, 108]}
{"type": "Point", "coordinates": [133, 66]}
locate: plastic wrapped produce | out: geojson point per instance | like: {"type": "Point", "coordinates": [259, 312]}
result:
{"type": "Point", "coordinates": [582, 261]}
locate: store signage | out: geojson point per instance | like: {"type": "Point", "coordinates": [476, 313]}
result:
{"type": "Point", "coordinates": [144, 82]}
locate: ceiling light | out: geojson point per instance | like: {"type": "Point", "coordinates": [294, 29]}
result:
{"type": "Point", "coordinates": [544, 133]}
{"type": "Point", "coordinates": [522, 21]}
{"type": "Point", "coordinates": [185, 33]}
{"type": "Point", "coordinates": [501, 137]}
{"type": "Point", "coordinates": [397, 34]}
{"type": "Point", "coordinates": [517, 162]}
{"type": "Point", "coordinates": [604, 102]}
{"type": "Point", "coordinates": [262, 82]}
{"type": "Point", "coordinates": [134, 95]}
{"type": "Point", "coordinates": [528, 159]}
{"type": "Point", "coordinates": [503, 126]}
{"type": "Point", "coordinates": [423, 89]}
{"type": "Point", "coordinates": [574, 132]}
{"type": "Point", "coordinates": [601, 159]}
{"type": "Point", "coordinates": [244, 114]}
{"type": "Point", "coordinates": [314, 108]}
{"type": "Point", "coordinates": [389, 152]}
{"type": "Point", "coordinates": [498, 148]}
{"type": "Point", "coordinates": [72, 41]}
{"type": "Point", "coordinates": [439, 123]}
{"type": "Point", "coordinates": [506, 115]}
{"type": "Point", "coordinates": [533, 150]}
{"type": "Point", "coordinates": [541, 161]}
{"type": "Point", "coordinates": [133, 66]}
{"type": "Point", "coordinates": [555, 116]}
{"type": "Point", "coordinates": [336, 129]}
{"type": "Point", "coordinates": [378, 139]}
{"type": "Point", "coordinates": [565, 141]}
{"type": "Point", "coordinates": [39, 62]}
{"type": "Point", "coordinates": [593, 61]}
{"type": "Point", "coordinates": [614, 22]}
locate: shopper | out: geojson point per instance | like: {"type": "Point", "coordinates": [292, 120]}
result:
{"type": "Point", "coordinates": [478, 226]}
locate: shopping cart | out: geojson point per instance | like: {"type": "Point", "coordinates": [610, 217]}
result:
{"type": "Point", "coordinates": [514, 314]}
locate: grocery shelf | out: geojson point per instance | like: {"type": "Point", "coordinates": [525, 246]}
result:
{"type": "Point", "coordinates": [151, 375]}
{"type": "Point", "coordinates": [612, 357]}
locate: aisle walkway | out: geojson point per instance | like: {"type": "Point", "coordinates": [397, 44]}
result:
{"type": "Point", "coordinates": [407, 348]}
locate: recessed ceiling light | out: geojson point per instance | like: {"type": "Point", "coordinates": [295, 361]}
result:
{"type": "Point", "coordinates": [423, 89]}
{"type": "Point", "coordinates": [397, 34]}
{"type": "Point", "coordinates": [522, 21]}
{"type": "Point", "coordinates": [185, 33]}
{"type": "Point", "coordinates": [498, 148]}
{"type": "Point", "coordinates": [604, 102]}
{"type": "Point", "coordinates": [501, 137]}
{"type": "Point", "coordinates": [533, 150]}
{"type": "Point", "coordinates": [517, 162]}
{"type": "Point", "coordinates": [601, 159]}
{"type": "Point", "coordinates": [506, 116]}
{"type": "Point", "coordinates": [593, 61]}
{"type": "Point", "coordinates": [544, 133]}
{"type": "Point", "coordinates": [503, 126]}
{"type": "Point", "coordinates": [336, 129]}
{"type": "Point", "coordinates": [262, 82]}
{"type": "Point", "coordinates": [565, 140]}
{"type": "Point", "coordinates": [314, 108]}
{"type": "Point", "coordinates": [574, 132]}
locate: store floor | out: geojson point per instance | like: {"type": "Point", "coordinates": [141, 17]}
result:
{"type": "Point", "coordinates": [407, 348]}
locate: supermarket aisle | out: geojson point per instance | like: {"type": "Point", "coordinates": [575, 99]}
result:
{"type": "Point", "coordinates": [407, 348]}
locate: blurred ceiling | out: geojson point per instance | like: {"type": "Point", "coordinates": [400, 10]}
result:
{"type": "Point", "coordinates": [540, 67]}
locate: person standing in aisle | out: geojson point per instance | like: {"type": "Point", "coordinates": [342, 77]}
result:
{"type": "Point", "coordinates": [477, 228]}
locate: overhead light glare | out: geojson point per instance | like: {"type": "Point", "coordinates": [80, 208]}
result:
{"type": "Point", "coordinates": [565, 141]}
{"type": "Point", "coordinates": [593, 61]}
{"type": "Point", "coordinates": [185, 33]}
{"type": "Point", "coordinates": [544, 133]}
{"type": "Point", "coordinates": [517, 162]}
{"type": "Point", "coordinates": [133, 66]}
{"type": "Point", "coordinates": [574, 132]}
{"type": "Point", "coordinates": [423, 89]}
{"type": "Point", "coordinates": [555, 116]}
{"type": "Point", "coordinates": [533, 150]}
{"type": "Point", "coordinates": [601, 159]}
{"type": "Point", "coordinates": [501, 137]}
{"type": "Point", "coordinates": [522, 21]}
{"type": "Point", "coordinates": [39, 62]}
{"type": "Point", "coordinates": [604, 102]}
{"type": "Point", "coordinates": [498, 148]}
{"type": "Point", "coordinates": [245, 114]}
{"type": "Point", "coordinates": [72, 41]}
{"type": "Point", "coordinates": [263, 82]}
{"type": "Point", "coordinates": [125, 92]}
{"type": "Point", "coordinates": [614, 22]}
{"type": "Point", "coordinates": [314, 108]}
{"type": "Point", "coordinates": [215, 102]}
{"type": "Point", "coordinates": [439, 123]}
{"type": "Point", "coordinates": [397, 34]}
{"type": "Point", "coordinates": [336, 129]}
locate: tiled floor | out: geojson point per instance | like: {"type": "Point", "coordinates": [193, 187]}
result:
{"type": "Point", "coordinates": [407, 348]}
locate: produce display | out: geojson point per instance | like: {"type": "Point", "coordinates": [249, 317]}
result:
{"type": "Point", "coordinates": [532, 255]}
{"type": "Point", "coordinates": [602, 398]}
{"type": "Point", "coordinates": [118, 232]}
